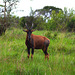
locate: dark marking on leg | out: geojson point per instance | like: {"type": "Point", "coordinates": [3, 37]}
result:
{"type": "Point", "coordinates": [48, 57]}
{"type": "Point", "coordinates": [45, 51]}
{"type": "Point", "coordinates": [46, 43]}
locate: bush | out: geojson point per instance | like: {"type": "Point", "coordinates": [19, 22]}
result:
{"type": "Point", "coordinates": [55, 35]}
{"type": "Point", "coordinates": [71, 24]}
{"type": "Point", "coordinates": [50, 35]}
{"type": "Point", "coordinates": [2, 30]}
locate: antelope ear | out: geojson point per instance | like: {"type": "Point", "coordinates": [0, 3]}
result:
{"type": "Point", "coordinates": [25, 30]}
{"type": "Point", "coordinates": [32, 30]}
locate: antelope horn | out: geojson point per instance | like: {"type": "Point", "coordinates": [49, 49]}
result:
{"type": "Point", "coordinates": [26, 25]}
{"type": "Point", "coordinates": [32, 26]}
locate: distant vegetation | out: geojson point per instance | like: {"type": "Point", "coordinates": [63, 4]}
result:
{"type": "Point", "coordinates": [51, 18]}
{"type": "Point", "coordinates": [48, 18]}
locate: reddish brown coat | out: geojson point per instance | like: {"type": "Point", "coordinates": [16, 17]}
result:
{"type": "Point", "coordinates": [38, 41]}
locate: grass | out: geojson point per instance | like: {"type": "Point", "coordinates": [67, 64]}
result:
{"type": "Point", "coordinates": [14, 61]}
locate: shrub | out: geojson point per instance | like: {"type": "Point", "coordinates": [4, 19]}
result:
{"type": "Point", "coordinates": [50, 35]}
{"type": "Point", "coordinates": [55, 35]}
{"type": "Point", "coordinates": [71, 24]}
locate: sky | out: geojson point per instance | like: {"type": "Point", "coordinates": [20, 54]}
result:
{"type": "Point", "coordinates": [23, 7]}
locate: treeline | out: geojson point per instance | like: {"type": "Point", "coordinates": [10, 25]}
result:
{"type": "Point", "coordinates": [51, 18]}
{"type": "Point", "coordinates": [48, 18]}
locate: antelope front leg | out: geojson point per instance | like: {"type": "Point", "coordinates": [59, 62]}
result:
{"type": "Point", "coordinates": [28, 52]}
{"type": "Point", "coordinates": [32, 53]}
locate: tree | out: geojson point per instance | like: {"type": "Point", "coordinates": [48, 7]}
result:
{"type": "Point", "coordinates": [47, 11]}
{"type": "Point", "coordinates": [39, 22]}
{"type": "Point", "coordinates": [56, 21]}
{"type": "Point", "coordinates": [7, 17]}
{"type": "Point", "coordinates": [9, 8]}
{"type": "Point", "coordinates": [69, 19]}
{"type": "Point", "coordinates": [26, 19]}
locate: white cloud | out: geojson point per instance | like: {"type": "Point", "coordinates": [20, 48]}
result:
{"type": "Point", "coordinates": [38, 4]}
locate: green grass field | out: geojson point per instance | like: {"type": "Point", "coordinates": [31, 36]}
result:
{"type": "Point", "coordinates": [14, 61]}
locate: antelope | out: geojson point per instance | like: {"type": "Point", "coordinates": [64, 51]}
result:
{"type": "Point", "coordinates": [36, 42]}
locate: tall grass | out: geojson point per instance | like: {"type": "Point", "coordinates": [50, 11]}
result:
{"type": "Point", "coordinates": [14, 61]}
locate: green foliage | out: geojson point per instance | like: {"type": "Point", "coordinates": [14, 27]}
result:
{"type": "Point", "coordinates": [51, 35]}
{"type": "Point", "coordinates": [52, 24]}
{"type": "Point", "coordinates": [28, 20]}
{"type": "Point", "coordinates": [55, 34]}
{"type": "Point", "coordinates": [14, 61]}
{"type": "Point", "coordinates": [7, 21]}
{"type": "Point", "coordinates": [22, 22]}
{"type": "Point", "coordinates": [56, 21]}
{"type": "Point", "coordinates": [46, 11]}
{"type": "Point", "coordinates": [39, 23]}
{"type": "Point", "coordinates": [71, 24]}
{"type": "Point", "coordinates": [49, 18]}
{"type": "Point", "coordinates": [48, 34]}
{"type": "Point", "coordinates": [63, 20]}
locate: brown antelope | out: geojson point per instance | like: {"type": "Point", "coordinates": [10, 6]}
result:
{"type": "Point", "coordinates": [36, 42]}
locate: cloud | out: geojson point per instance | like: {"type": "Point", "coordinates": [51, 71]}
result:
{"type": "Point", "coordinates": [38, 4]}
